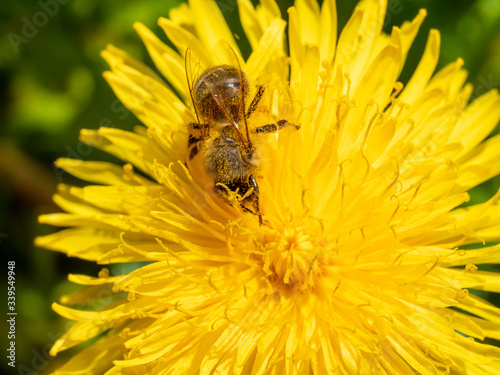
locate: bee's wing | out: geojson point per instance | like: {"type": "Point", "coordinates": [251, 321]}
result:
{"type": "Point", "coordinates": [193, 71]}
{"type": "Point", "coordinates": [244, 86]}
{"type": "Point", "coordinates": [228, 56]}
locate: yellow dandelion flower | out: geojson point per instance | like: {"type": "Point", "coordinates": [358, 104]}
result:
{"type": "Point", "coordinates": [358, 266]}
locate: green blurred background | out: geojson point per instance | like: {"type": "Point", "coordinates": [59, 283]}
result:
{"type": "Point", "coordinates": [51, 87]}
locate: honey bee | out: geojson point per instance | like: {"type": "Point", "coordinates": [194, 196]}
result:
{"type": "Point", "coordinates": [222, 135]}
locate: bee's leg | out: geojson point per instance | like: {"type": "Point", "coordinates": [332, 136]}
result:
{"type": "Point", "coordinates": [255, 101]}
{"type": "Point", "coordinates": [195, 136]}
{"type": "Point", "coordinates": [193, 142]}
{"type": "Point", "coordinates": [273, 128]}
{"type": "Point", "coordinates": [253, 183]}
{"type": "Point", "coordinates": [242, 188]}
{"type": "Point", "coordinates": [196, 130]}
{"type": "Point", "coordinates": [223, 190]}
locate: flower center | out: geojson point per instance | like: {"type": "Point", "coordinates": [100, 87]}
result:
{"type": "Point", "coordinates": [295, 255]}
